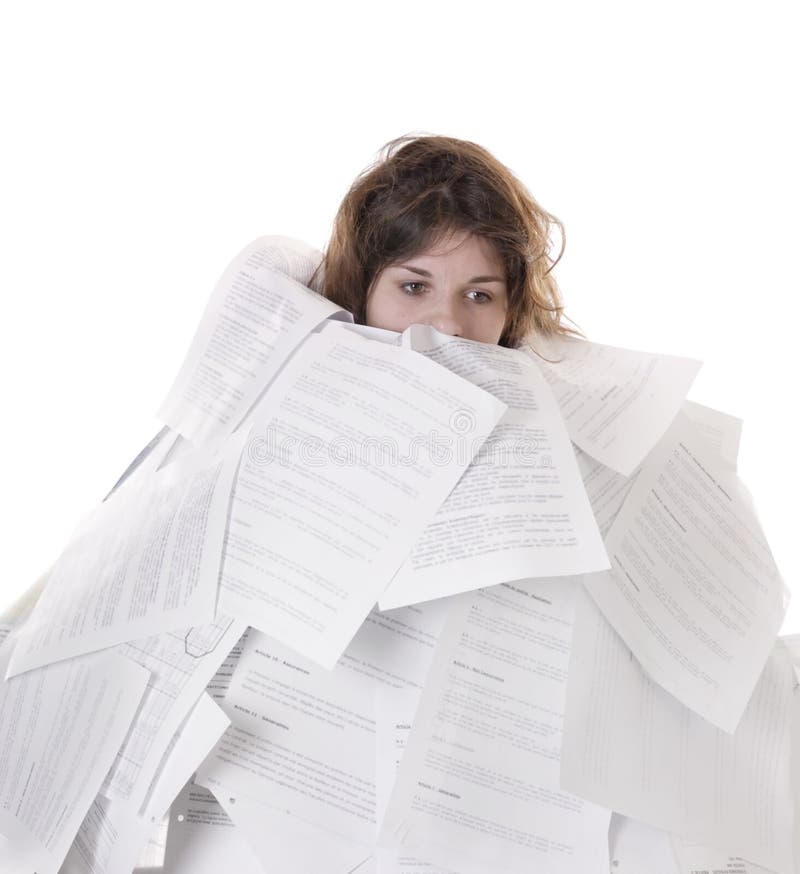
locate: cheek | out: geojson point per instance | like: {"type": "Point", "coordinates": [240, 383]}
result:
{"type": "Point", "coordinates": [376, 310]}
{"type": "Point", "coordinates": [487, 327]}
{"type": "Point", "coordinates": [493, 333]}
{"type": "Point", "coordinates": [386, 310]}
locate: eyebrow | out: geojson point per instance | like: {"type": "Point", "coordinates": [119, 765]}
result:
{"type": "Point", "coordinates": [419, 271]}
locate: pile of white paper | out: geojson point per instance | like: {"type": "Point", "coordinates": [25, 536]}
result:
{"type": "Point", "coordinates": [406, 604]}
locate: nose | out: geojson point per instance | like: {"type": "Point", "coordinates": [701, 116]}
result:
{"type": "Point", "coordinates": [445, 318]}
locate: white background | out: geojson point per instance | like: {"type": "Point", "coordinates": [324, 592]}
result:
{"type": "Point", "coordinates": [146, 143]}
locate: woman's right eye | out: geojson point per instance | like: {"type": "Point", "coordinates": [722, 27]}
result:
{"type": "Point", "coordinates": [413, 288]}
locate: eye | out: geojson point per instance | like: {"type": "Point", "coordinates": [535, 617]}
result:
{"type": "Point", "coordinates": [479, 296]}
{"type": "Point", "coordinates": [412, 289]}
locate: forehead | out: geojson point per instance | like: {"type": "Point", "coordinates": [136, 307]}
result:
{"type": "Point", "coordinates": [459, 251]}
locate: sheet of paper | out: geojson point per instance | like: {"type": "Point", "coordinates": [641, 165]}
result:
{"type": "Point", "coordinates": [180, 664]}
{"type": "Point", "coordinates": [694, 590]}
{"type": "Point", "coordinates": [395, 647]}
{"type": "Point", "coordinates": [337, 483]}
{"type": "Point", "coordinates": [302, 741]}
{"type": "Point", "coordinates": [617, 403]}
{"type": "Point", "coordinates": [218, 685]}
{"type": "Point", "coordinates": [285, 844]}
{"type": "Point", "coordinates": [631, 746]}
{"type": "Point", "coordinates": [478, 786]}
{"type": "Point", "coordinates": [18, 611]}
{"type": "Point", "coordinates": [394, 717]}
{"type": "Point", "coordinates": [197, 736]}
{"type": "Point", "coordinates": [520, 510]}
{"type": "Point", "coordinates": [146, 459]}
{"type": "Point", "coordinates": [201, 838]}
{"type": "Point", "coordinates": [792, 644]}
{"type": "Point", "coordinates": [390, 863]}
{"type": "Point", "coordinates": [177, 448]}
{"type": "Point", "coordinates": [636, 848]}
{"type": "Point", "coordinates": [607, 489]}
{"type": "Point", "coordinates": [391, 650]}
{"type": "Point", "coordinates": [113, 834]}
{"type": "Point", "coordinates": [109, 840]}
{"type": "Point", "coordinates": [694, 858]}
{"type": "Point", "coordinates": [144, 562]}
{"type": "Point", "coordinates": [60, 728]}
{"type": "Point", "coordinates": [721, 431]}
{"type": "Point", "coordinates": [393, 338]}
{"type": "Point", "coordinates": [255, 318]}
{"type": "Point", "coordinates": [152, 855]}
{"type": "Point", "coordinates": [287, 255]}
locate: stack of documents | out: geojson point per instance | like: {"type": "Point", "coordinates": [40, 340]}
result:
{"type": "Point", "coordinates": [406, 604]}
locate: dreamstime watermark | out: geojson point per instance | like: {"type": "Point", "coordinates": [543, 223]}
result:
{"type": "Point", "coordinates": [281, 444]}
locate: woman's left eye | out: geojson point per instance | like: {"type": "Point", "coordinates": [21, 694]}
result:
{"type": "Point", "coordinates": [413, 288]}
{"type": "Point", "coordinates": [479, 296]}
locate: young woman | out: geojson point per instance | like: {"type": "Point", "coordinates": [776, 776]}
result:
{"type": "Point", "coordinates": [439, 232]}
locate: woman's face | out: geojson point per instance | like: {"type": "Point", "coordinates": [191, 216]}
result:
{"type": "Point", "coordinates": [457, 286]}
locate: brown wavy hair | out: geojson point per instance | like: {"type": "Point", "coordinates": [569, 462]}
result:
{"type": "Point", "coordinates": [419, 191]}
